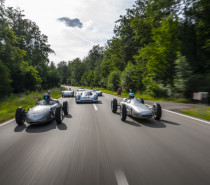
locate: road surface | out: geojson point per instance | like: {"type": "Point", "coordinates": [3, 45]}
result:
{"type": "Point", "coordinates": [93, 146]}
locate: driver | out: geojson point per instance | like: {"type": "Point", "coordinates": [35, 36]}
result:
{"type": "Point", "coordinates": [47, 98]}
{"type": "Point", "coordinates": [131, 95]}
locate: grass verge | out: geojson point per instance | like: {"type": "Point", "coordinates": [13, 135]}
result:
{"type": "Point", "coordinates": [201, 112]}
{"type": "Point", "coordinates": [9, 105]}
{"type": "Point", "coordinates": [145, 97]}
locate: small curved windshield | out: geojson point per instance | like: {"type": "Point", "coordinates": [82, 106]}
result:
{"type": "Point", "coordinates": [135, 101]}
{"type": "Point", "coordinates": [43, 102]}
{"type": "Point", "coordinates": [87, 93]}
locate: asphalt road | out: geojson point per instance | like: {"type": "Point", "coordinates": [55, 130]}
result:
{"type": "Point", "coordinates": [93, 146]}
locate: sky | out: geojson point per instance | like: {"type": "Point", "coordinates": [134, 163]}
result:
{"type": "Point", "coordinates": [73, 27]}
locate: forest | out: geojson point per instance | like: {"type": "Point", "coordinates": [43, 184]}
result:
{"type": "Point", "coordinates": [159, 47]}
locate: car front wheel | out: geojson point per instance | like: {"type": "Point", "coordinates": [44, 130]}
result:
{"type": "Point", "coordinates": [114, 105]}
{"type": "Point", "coordinates": [157, 111]}
{"type": "Point", "coordinates": [20, 115]}
{"type": "Point", "coordinates": [123, 112]}
{"type": "Point", "coordinates": [58, 115]}
{"type": "Point", "coordinates": [65, 108]}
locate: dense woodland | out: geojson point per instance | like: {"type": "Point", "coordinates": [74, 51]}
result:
{"type": "Point", "coordinates": [24, 63]}
{"type": "Point", "coordinates": [160, 48]}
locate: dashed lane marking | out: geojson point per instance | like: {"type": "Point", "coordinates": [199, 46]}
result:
{"type": "Point", "coordinates": [95, 107]}
{"type": "Point", "coordinates": [121, 179]}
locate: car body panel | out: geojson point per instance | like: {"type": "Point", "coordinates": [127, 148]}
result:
{"type": "Point", "coordinates": [137, 109]}
{"type": "Point", "coordinates": [42, 112]}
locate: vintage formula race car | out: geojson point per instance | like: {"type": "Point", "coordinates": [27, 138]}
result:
{"type": "Point", "coordinates": [86, 96]}
{"type": "Point", "coordinates": [68, 92]}
{"type": "Point", "coordinates": [136, 108]}
{"type": "Point", "coordinates": [44, 111]}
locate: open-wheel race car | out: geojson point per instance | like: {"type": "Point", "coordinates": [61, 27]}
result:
{"type": "Point", "coordinates": [44, 111]}
{"type": "Point", "coordinates": [68, 92]}
{"type": "Point", "coordinates": [136, 108]}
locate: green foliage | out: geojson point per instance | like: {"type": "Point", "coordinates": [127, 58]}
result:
{"type": "Point", "coordinates": [64, 71]}
{"type": "Point", "coordinates": [129, 78]}
{"type": "Point", "coordinates": [23, 52]}
{"type": "Point", "coordinates": [52, 77]}
{"type": "Point", "coordinates": [183, 74]}
{"type": "Point", "coordinates": [114, 80]}
{"type": "Point", "coordinates": [5, 87]}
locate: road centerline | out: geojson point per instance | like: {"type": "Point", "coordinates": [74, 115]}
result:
{"type": "Point", "coordinates": [121, 179]}
{"type": "Point", "coordinates": [95, 107]}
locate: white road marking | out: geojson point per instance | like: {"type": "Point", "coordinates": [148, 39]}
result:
{"type": "Point", "coordinates": [7, 122]}
{"type": "Point", "coordinates": [208, 122]}
{"type": "Point", "coordinates": [121, 179]}
{"type": "Point", "coordinates": [95, 107]}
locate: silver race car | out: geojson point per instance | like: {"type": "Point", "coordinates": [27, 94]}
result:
{"type": "Point", "coordinates": [44, 111]}
{"type": "Point", "coordinates": [68, 92]}
{"type": "Point", "coordinates": [86, 96]}
{"type": "Point", "coordinates": [98, 92]}
{"type": "Point", "coordinates": [136, 108]}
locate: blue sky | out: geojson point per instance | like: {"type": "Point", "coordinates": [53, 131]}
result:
{"type": "Point", "coordinates": [96, 19]}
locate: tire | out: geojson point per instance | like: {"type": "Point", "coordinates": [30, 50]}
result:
{"type": "Point", "coordinates": [20, 115]}
{"type": "Point", "coordinates": [65, 108]}
{"type": "Point", "coordinates": [123, 112]}
{"type": "Point", "coordinates": [157, 111]}
{"type": "Point", "coordinates": [141, 100]}
{"type": "Point", "coordinates": [114, 105]}
{"type": "Point", "coordinates": [58, 115]}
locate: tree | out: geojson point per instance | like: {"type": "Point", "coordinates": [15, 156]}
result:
{"type": "Point", "coordinates": [114, 80]}
{"type": "Point", "coordinates": [63, 71]}
{"type": "Point", "coordinates": [130, 78]}
{"type": "Point", "coordinates": [5, 87]}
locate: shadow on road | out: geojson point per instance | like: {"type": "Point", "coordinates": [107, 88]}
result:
{"type": "Point", "coordinates": [19, 128]}
{"type": "Point", "coordinates": [62, 126]}
{"type": "Point", "coordinates": [147, 122]}
{"type": "Point", "coordinates": [68, 116]}
{"type": "Point", "coordinates": [169, 122]}
{"type": "Point", "coordinates": [132, 123]}
{"type": "Point", "coordinates": [42, 127]}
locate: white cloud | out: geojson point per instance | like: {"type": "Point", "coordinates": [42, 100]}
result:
{"type": "Point", "coordinates": [98, 18]}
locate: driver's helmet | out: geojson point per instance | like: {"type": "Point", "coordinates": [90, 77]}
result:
{"type": "Point", "coordinates": [47, 97]}
{"type": "Point", "coordinates": [131, 95]}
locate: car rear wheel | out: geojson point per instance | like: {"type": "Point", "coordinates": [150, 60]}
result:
{"type": "Point", "coordinates": [65, 108]}
{"type": "Point", "coordinates": [114, 105]}
{"type": "Point", "coordinates": [20, 115]}
{"type": "Point", "coordinates": [157, 111]}
{"type": "Point", "coordinates": [123, 112]}
{"type": "Point", "coordinates": [58, 115]}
